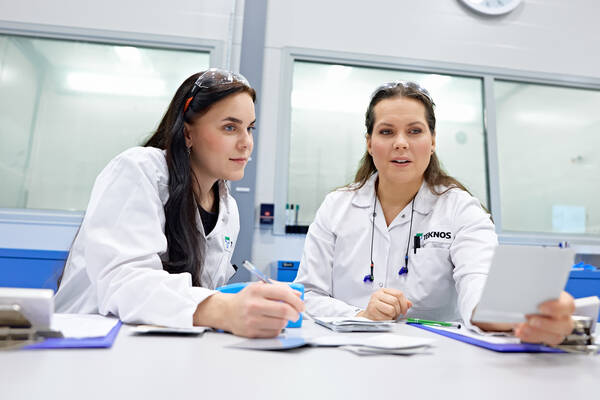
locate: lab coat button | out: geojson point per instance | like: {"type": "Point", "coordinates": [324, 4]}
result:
{"type": "Point", "coordinates": [403, 215]}
{"type": "Point", "coordinates": [380, 284]}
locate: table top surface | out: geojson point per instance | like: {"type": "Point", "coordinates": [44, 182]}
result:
{"type": "Point", "coordinates": [159, 367]}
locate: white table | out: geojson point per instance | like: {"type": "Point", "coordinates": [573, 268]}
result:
{"type": "Point", "coordinates": [177, 368]}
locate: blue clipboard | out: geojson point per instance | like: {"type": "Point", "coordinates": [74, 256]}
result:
{"type": "Point", "coordinates": [499, 347]}
{"type": "Point", "coordinates": [79, 343]}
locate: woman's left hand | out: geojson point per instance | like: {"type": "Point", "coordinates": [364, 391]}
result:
{"type": "Point", "coordinates": [553, 323]}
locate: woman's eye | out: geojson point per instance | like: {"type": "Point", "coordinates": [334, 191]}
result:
{"type": "Point", "coordinates": [385, 131]}
{"type": "Point", "coordinates": [251, 129]}
{"type": "Point", "coordinates": [229, 128]}
{"type": "Point", "coordinates": [416, 130]}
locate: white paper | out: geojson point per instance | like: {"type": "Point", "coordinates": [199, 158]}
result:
{"type": "Point", "coordinates": [369, 351]}
{"type": "Point", "coordinates": [351, 321]}
{"type": "Point", "coordinates": [155, 329]}
{"type": "Point", "coordinates": [355, 324]}
{"type": "Point", "coordinates": [83, 325]}
{"type": "Point", "coordinates": [489, 337]}
{"type": "Point", "coordinates": [387, 341]}
{"type": "Point", "coordinates": [380, 343]}
{"type": "Point", "coordinates": [520, 279]}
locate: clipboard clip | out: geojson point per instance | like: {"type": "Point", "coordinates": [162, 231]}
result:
{"type": "Point", "coordinates": [16, 330]}
{"type": "Point", "coordinates": [581, 339]}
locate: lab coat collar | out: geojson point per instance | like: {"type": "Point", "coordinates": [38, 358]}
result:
{"type": "Point", "coordinates": [424, 200]}
{"type": "Point", "coordinates": [364, 196]}
{"type": "Point", "coordinates": [223, 189]}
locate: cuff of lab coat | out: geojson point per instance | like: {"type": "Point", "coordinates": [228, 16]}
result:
{"type": "Point", "coordinates": [471, 302]}
{"type": "Point", "coordinates": [325, 306]}
{"type": "Point", "coordinates": [198, 295]}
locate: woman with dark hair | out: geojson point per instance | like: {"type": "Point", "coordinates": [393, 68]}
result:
{"type": "Point", "coordinates": [161, 226]}
{"type": "Point", "coordinates": [425, 243]}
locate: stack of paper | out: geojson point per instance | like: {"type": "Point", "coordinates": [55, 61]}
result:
{"type": "Point", "coordinates": [355, 324]}
{"type": "Point", "coordinates": [165, 330]}
{"type": "Point", "coordinates": [386, 343]}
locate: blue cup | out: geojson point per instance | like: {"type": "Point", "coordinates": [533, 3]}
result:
{"type": "Point", "coordinates": [236, 287]}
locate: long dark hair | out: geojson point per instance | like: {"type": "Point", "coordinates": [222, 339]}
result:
{"type": "Point", "coordinates": [434, 174]}
{"type": "Point", "coordinates": [186, 245]}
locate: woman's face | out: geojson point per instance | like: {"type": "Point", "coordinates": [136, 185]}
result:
{"type": "Point", "coordinates": [401, 143]}
{"type": "Point", "coordinates": [221, 139]}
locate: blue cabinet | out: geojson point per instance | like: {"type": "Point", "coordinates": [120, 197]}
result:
{"type": "Point", "coordinates": [31, 268]}
{"type": "Point", "coordinates": [584, 284]}
{"type": "Point", "coordinates": [287, 270]}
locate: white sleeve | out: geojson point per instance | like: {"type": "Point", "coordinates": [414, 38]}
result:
{"type": "Point", "coordinates": [316, 267]}
{"type": "Point", "coordinates": [471, 252]}
{"type": "Point", "coordinates": [123, 237]}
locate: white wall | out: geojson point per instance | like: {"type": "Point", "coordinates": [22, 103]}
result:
{"type": "Point", "coordinates": [200, 19]}
{"type": "Point", "coordinates": [552, 36]}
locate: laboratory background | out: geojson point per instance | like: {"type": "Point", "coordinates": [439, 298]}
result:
{"type": "Point", "coordinates": [516, 85]}
{"type": "Point", "coordinates": [517, 98]}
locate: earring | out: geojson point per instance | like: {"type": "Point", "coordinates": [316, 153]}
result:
{"type": "Point", "coordinates": [189, 151]}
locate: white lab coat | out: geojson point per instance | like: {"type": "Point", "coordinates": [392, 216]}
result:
{"type": "Point", "coordinates": [115, 267]}
{"type": "Point", "coordinates": [446, 275]}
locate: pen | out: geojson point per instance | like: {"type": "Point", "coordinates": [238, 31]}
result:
{"type": "Point", "coordinates": [417, 242]}
{"type": "Point", "coordinates": [255, 271]}
{"type": "Point", "coordinates": [430, 322]}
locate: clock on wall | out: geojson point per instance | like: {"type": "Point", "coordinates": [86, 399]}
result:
{"type": "Point", "coordinates": [492, 7]}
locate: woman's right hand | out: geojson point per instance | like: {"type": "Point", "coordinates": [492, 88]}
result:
{"type": "Point", "coordinates": [386, 304]}
{"type": "Point", "coordinates": [258, 311]}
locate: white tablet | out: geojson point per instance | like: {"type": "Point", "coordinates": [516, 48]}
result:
{"type": "Point", "coordinates": [520, 279]}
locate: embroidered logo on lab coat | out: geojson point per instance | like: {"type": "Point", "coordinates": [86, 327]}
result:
{"type": "Point", "coordinates": [434, 234]}
{"type": "Point", "coordinates": [228, 243]}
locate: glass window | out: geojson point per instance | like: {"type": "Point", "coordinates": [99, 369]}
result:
{"type": "Point", "coordinates": [68, 107]}
{"type": "Point", "coordinates": [328, 132]}
{"type": "Point", "coordinates": [548, 138]}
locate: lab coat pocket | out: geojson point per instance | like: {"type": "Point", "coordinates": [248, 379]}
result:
{"type": "Point", "coordinates": [225, 270]}
{"type": "Point", "coordinates": [429, 280]}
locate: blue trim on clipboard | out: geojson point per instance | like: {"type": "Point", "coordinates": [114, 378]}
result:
{"type": "Point", "coordinates": [500, 347]}
{"type": "Point", "coordinates": [79, 343]}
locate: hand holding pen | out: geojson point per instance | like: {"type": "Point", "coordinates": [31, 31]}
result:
{"type": "Point", "coordinates": [258, 310]}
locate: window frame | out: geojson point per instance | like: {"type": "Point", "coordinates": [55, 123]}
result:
{"type": "Point", "coordinates": [488, 75]}
{"type": "Point", "coordinates": [214, 48]}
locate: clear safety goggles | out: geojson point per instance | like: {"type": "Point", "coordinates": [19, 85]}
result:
{"type": "Point", "coordinates": [214, 77]}
{"type": "Point", "coordinates": [405, 84]}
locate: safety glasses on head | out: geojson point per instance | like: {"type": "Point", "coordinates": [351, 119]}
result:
{"type": "Point", "coordinates": [405, 84]}
{"type": "Point", "coordinates": [214, 77]}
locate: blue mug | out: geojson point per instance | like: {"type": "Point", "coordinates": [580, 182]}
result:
{"type": "Point", "coordinates": [236, 287]}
